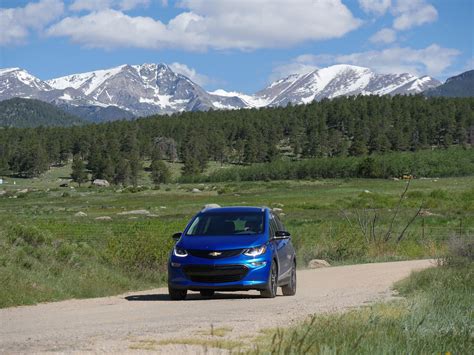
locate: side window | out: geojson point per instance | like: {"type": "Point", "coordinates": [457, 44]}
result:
{"type": "Point", "coordinates": [280, 225]}
{"type": "Point", "coordinates": [273, 226]}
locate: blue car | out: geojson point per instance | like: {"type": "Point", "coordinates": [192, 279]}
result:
{"type": "Point", "coordinates": [232, 249]}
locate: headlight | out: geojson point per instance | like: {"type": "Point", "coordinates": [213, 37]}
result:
{"type": "Point", "coordinates": [255, 251]}
{"type": "Point", "coordinates": [181, 253]}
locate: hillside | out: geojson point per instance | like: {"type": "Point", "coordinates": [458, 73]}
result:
{"type": "Point", "coordinates": [22, 113]}
{"type": "Point", "coordinates": [461, 85]}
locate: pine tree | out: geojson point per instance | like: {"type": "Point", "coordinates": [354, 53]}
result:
{"type": "Point", "coordinates": [160, 174]}
{"type": "Point", "coordinates": [122, 172]}
{"type": "Point", "coordinates": [79, 173]}
{"type": "Point", "coordinates": [135, 167]}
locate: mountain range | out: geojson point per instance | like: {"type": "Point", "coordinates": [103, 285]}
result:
{"type": "Point", "coordinates": [461, 85]}
{"type": "Point", "coordinates": [129, 91]}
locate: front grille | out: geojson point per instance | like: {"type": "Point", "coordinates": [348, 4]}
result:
{"type": "Point", "coordinates": [208, 253]}
{"type": "Point", "coordinates": [215, 273]}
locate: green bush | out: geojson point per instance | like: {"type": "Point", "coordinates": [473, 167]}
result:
{"type": "Point", "coordinates": [454, 161]}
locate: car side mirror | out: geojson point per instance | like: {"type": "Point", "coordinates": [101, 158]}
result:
{"type": "Point", "coordinates": [282, 235]}
{"type": "Point", "coordinates": [177, 235]}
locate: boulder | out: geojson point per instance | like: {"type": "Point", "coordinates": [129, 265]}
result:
{"type": "Point", "coordinates": [2, 192]}
{"type": "Point", "coordinates": [24, 191]}
{"type": "Point", "coordinates": [103, 218]}
{"type": "Point", "coordinates": [80, 214]}
{"type": "Point", "coordinates": [426, 213]}
{"type": "Point", "coordinates": [317, 263]}
{"type": "Point", "coordinates": [135, 212]}
{"type": "Point", "coordinates": [277, 210]}
{"type": "Point", "coordinates": [195, 190]}
{"type": "Point", "coordinates": [101, 183]}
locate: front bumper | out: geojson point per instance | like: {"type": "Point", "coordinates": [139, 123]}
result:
{"type": "Point", "coordinates": [230, 274]}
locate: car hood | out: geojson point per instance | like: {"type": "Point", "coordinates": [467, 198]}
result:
{"type": "Point", "coordinates": [221, 242]}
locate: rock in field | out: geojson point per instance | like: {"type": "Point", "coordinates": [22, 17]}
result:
{"type": "Point", "coordinates": [195, 190]}
{"type": "Point", "coordinates": [318, 263]}
{"type": "Point", "coordinates": [135, 212]}
{"type": "Point", "coordinates": [101, 183]}
{"type": "Point", "coordinates": [103, 218]}
{"type": "Point", "coordinates": [80, 214]}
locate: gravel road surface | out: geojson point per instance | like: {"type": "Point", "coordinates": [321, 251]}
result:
{"type": "Point", "coordinates": [145, 320]}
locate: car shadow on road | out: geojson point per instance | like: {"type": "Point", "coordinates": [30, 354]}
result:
{"type": "Point", "coordinates": [191, 297]}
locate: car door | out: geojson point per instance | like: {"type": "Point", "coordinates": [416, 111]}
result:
{"type": "Point", "coordinates": [281, 247]}
{"type": "Point", "coordinates": [288, 249]}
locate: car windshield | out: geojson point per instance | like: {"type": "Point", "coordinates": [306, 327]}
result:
{"type": "Point", "coordinates": [236, 223]}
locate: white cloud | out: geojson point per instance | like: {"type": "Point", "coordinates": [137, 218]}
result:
{"type": "Point", "coordinates": [378, 7]}
{"type": "Point", "coordinates": [233, 24]}
{"type": "Point", "coordinates": [385, 35]}
{"type": "Point", "coordinates": [191, 73]}
{"type": "Point", "coordinates": [16, 23]}
{"type": "Point", "coordinates": [411, 13]}
{"type": "Point", "coordinates": [95, 5]}
{"type": "Point", "coordinates": [110, 29]}
{"type": "Point", "coordinates": [432, 60]}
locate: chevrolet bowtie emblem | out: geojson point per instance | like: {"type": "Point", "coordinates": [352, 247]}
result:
{"type": "Point", "coordinates": [215, 253]}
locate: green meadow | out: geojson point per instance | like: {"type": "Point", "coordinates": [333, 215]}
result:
{"type": "Point", "coordinates": [73, 242]}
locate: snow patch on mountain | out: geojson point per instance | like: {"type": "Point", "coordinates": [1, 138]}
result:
{"type": "Point", "coordinates": [250, 100]}
{"type": "Point", "coordinates": [86, 82]}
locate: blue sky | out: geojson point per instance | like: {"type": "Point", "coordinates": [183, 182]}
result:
{"type": "Point", "coordinates": [238, 45]}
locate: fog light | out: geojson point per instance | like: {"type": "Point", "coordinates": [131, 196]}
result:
{"type": "Point", "coordinates": [175, 264]}
{"type": "Point", "coordinates": [258, 263]}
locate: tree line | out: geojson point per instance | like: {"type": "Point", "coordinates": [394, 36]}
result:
{"type": "Point", "coordinates": [341, 127]}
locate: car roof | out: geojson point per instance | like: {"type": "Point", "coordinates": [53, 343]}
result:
{"type": "Point", "coordinates": [234, 209]}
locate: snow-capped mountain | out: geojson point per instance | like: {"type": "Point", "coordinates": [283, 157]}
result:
{"type": "Point", "coordinates": [143, 89]}
{"type": "Point", "coordinates": [16, 82]}
{"type": "Point", "coordinates": [334, 81]}
{"type": "Point", "coordinates": [139, 90]}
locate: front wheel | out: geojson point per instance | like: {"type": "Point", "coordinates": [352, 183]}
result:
{"type": "Point", "coordinates": [290, 289]}
{"type": "Point", "coordinates": [177, 294]}
{"type": "Point", "coordinates": [272, 284]}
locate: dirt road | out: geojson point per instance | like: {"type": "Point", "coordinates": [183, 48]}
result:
{"type": "Point", "coordinates": [144, 320]}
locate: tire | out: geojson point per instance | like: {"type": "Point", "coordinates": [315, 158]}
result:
{"type": "Point", "coordinates": [177, 294]}
{"type": "Point", "coordinates": [290, 289]}
{"type": "Point", "coordinates": [207, 293]}
{"type": "Point", "coordinates": [272, 285]}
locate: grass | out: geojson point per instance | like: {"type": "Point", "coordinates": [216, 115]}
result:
{"type": "Point", "coordinates": [436, 317]}
{"type": "Point", "coordinates": [206, 343]}
{"type": "Point", "coordinates": [218, 332]}
{"type": "Point", "coordinates": [85, 257]}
